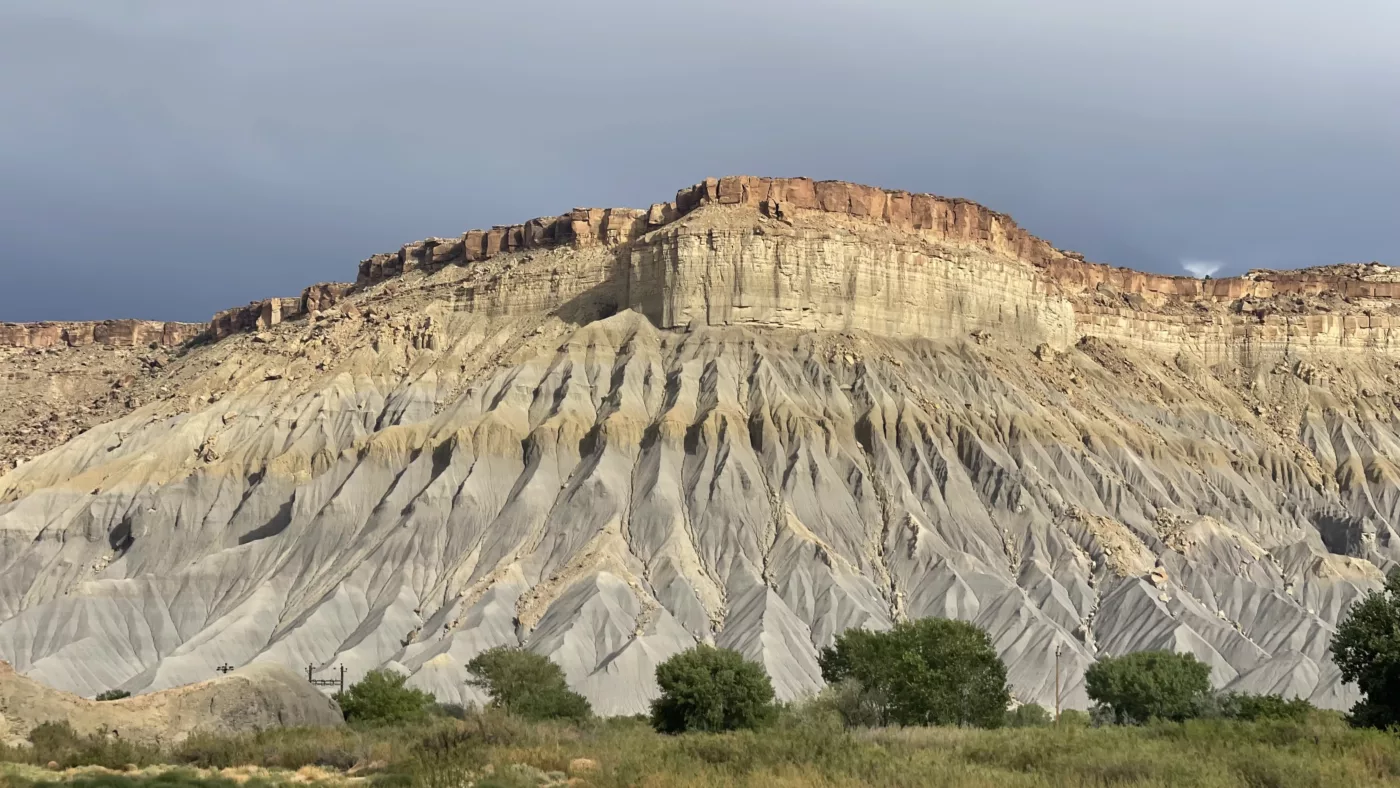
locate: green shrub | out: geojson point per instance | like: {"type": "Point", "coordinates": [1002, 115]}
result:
{"type": "Point", "coordinates": [113, 694]}
{"type": "Point", "coordinates": [856, 706]}
{"type": "Point", "coordinates": [383, 697]}
{"type": "Point", "coordinates": [527, 684]}
{"type": "Point", "coordinates": [1367, 649]}
{"type": "Point", "coordinates": [54, 737]}
{"type": "Point", "coordinates": [1029, 715]}
{"type": "Point", "coordinates": [1074, 718]}
{"type": "Point", "coordinates": [178, 778]}
{"type": "Point", "coordinates": [711, 689]}
{"type": "Point", "coordinates": [334, 747]}
{"type": "Point", "coordinates": [928, 672]}
{"type": "Point", "coordinates": [60, 743]}
{"type": "Point", "coordinates": [805, 745]}
{"type": "Point", "coordinates": [1253, 708]}
{"type": "Point", "coordinates": [454, 710]}
{"type": "Point", "coordinates": [1148, 685]}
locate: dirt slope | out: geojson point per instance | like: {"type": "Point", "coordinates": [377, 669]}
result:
{"type": "Point", "coordinates": [253, 698]}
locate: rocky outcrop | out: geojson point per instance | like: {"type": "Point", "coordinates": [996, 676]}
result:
{"type": "Point", "coordinates": [936, 217]}
{"type": "Point", "coordinates": [261, 315]}
{"type": "Point", "coordinates": [255, 698]}
{"type": "Point", "coordinates": [840, 255]}
{"type": "Point", "coordinates": [256, 316]}
{"type": "Point", "coordinates": [320, 297]}
{"type": "Point", "coordinates": [110, 333]}
{"type": "Point", "coordinates": [726, 266]}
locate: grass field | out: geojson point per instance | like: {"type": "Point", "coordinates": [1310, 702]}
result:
{"type": "Point", "coordinates": [803, 749]}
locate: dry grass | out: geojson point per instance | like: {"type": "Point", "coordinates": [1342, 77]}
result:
{"type": "Point", "coordinates": [806, 748]}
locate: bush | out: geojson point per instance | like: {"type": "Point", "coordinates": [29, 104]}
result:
{"type": "Point", "coordinates": [1074, 718]}
{"type": "Point", "coordinates": [1149, 685]}
{"type": "Point", "coordinates": [527, 684]}
{"type": "Point", "coordinates": [1367, 649]}
{"type": "Point", "coordinates": [60, 743]}
{"type": "Point", "coordinates": [454, 710]}
{"type": "Point", "coordinates": [113, 694]}
{"type": "Point", "coordinates": [711, 689]}
{"type": "Point", "coordinates": [54, 737]}
{"type": "Point", "coordinates": [857, 706]}
{"type": "Point", "coordinates": [928, 672]}
{"type": "Point", "coordinates": [1029, 715]}
{"type": "Point", "coordinates": [383, 697]}
{"type": "Point", "coordinates": [339, 747]}
{"type": "Point", "coordinates": [1253, 708]}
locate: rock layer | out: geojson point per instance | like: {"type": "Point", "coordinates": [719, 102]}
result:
{"type": "Point", "coordinates": [1054, 294]}
{"type": "Point", "coordinates": [269, 312]}
{"type": "Point", "coordinates": [107, 333]}
{"type": "Point", "coordinates": [756, 416]}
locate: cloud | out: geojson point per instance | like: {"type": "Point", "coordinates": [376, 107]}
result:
{"type": "Point", "coordinates": [1201, 268]}
{"type": "Point", "coordinates": [194, 156]}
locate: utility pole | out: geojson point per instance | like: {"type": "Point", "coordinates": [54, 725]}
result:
{"type": "Point", "coordinates": [1057, 683]}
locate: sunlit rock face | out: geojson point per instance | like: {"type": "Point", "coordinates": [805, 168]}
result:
{"type": "Point", "coordinates": [756, 416]}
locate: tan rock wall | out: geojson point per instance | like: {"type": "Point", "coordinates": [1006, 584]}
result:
{"type": "Point", "coordinates": [813, 280]}
{"type": "Point", "coordinates": [892, 262]}
{"type": "Point", "coordinates": [938, 218]}
{"type": "Point", "coordinates": [261, 315]}
{"type": "Point", "coordinates": [899, 264]}
{"type": "Point", "coordinates": [1242, 338]}
{"type": "Point", "coordinates": [112, 333]}
{"type": "Point", "coordinates": [256, 316]}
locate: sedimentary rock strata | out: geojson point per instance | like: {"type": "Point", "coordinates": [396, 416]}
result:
{"type": "Point", "coordinates": [758, 415]}
{"type": "Point", "coordinates": [107, 333]}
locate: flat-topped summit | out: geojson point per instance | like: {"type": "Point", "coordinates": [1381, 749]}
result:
{"type": "Point", "coordinates": [1351, 305]}
{"type": "Point", "coordinates": [829, 255]}
{"type": "Point", "coordinates": [940, 217]}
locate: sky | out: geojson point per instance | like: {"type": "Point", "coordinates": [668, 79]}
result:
{"type": "Point", "coordinates": [165, 160]}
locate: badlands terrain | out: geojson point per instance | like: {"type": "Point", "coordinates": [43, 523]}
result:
{"type": "Point", "coordinates": [758, 415]}
{"type": "Point", "coordinates": [254, 698]}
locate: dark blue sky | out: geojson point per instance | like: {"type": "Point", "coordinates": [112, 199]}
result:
{"type": "Point", "coordinates": [168, 159]}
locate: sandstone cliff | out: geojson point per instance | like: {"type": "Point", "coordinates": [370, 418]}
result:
{"type": "Point", "coordinates": [756, 416]}
{"type": "Point", "coordinates": [842, 256]}
{"type": "Point", "coordinates": [107, 333]}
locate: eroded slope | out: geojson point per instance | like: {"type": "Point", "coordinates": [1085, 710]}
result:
{"type": "Point", "coordinates": [756, 430]}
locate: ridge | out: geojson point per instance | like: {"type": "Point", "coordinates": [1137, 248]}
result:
{"type": "Point", "coordinates": [1361, 298]}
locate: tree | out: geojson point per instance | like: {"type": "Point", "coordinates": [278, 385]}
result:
{"type": "Point", "coordinates": [1367, 649]}
{"type": "Point", "coordinates": [1149, 685]}
{"type": "Point", "coordinates": [382, 697]}
{"type": "Point", "coordinates": [928, 672]}
{"type": "Point", "coordinates": [113, 694]}
{"type": "Point", "coordinates": [711, 689]}
{"type": "Point", "coordinates": [1029, 715]}
{"type": "Point", "coordinates": [526, 684]}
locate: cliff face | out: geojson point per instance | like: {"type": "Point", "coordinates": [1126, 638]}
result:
{"type": "Point", "coordinates": [107, 333]}
{"type": "Point", "coordinates": [831, 255]}
{"type": "Point", "coordinates": [267, 313]}
{"type": "Point", "coordinates": [756, 416]}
